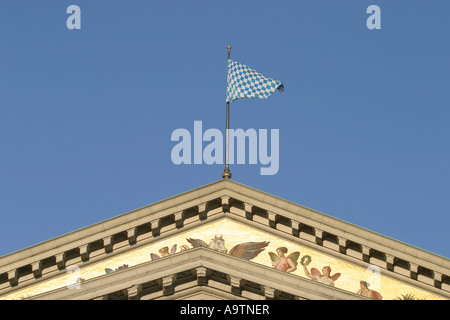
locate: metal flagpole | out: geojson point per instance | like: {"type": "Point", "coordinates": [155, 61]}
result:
{"type": "Point", "coordinates": [226, 173]}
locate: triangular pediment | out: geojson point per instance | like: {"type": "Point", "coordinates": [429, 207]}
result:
{"type": "Point", "coordinates": [240, 214]}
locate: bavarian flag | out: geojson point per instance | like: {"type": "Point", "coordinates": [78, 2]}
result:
{"type": "Point", "coordinates": [244, 82]}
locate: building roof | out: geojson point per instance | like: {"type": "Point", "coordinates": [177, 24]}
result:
{"type": "Point", "coordinates": [263, 213]}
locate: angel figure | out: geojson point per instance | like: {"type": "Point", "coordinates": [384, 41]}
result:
{"type": "Point", "coordinates": [281, 262]}
{"type": "Point", "coordinates": [325, 278]}
{"type": "Point", "coordinates": [247, 250]}
{"type": "Point", "coordinates": [164, 251]}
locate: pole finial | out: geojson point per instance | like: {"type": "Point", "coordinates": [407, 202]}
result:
{"type": "Point", "coordinates": [229, 49]}
{"type": "Point", "coordinates": [226, 173]}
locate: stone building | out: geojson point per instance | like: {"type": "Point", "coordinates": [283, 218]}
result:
{"type": "Point", "coordinates": [220, 241]}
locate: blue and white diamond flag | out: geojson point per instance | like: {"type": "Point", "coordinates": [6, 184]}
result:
{"type": "Point", "coordinates": [244, 82]}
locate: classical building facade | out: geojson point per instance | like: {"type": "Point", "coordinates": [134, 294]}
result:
{"type": "Point", "coordinates": [228, 241]}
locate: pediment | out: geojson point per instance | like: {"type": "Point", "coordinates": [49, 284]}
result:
{"type": "Point", "coordinates": [240, 215]}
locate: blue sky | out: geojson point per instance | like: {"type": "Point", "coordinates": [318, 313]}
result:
{"type": "Point", "coordinates": [86, 116]}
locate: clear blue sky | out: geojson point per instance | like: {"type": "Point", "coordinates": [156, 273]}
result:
{"type": "Point", "coordinates": [86, 115]}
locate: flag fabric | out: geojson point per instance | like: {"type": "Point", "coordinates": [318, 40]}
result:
{"type": "Point", "coordinates": [244, 82]}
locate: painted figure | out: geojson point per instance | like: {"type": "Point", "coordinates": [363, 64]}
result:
{"type": "Point", "coordinates": [322, 278]}
{"type": "Point", "coordinates": [247, 250]}
{"type": "Point", "coordinates": [217, 243]}
{"type": "Point", "coordinates": [281, 262]}
{"type": "Point", "coordinates": [365, 291]}
{"type": "Point", "coordinates": [122, 267]}
{"type": "Point", "coordinates": [164, 251]}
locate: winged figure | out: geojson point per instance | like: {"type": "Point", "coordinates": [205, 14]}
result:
{"type": "Point", "coordinates": [281, 262]}
{"type": "Point", "coordinates": [326, 277]}
{"type": "Point", "coordinates": [164, 251]}
{"type": "Point", "coordinates": [246, 250]}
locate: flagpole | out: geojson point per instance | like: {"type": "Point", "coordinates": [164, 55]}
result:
{"type": "Point", "coordinates": [226, 173]}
